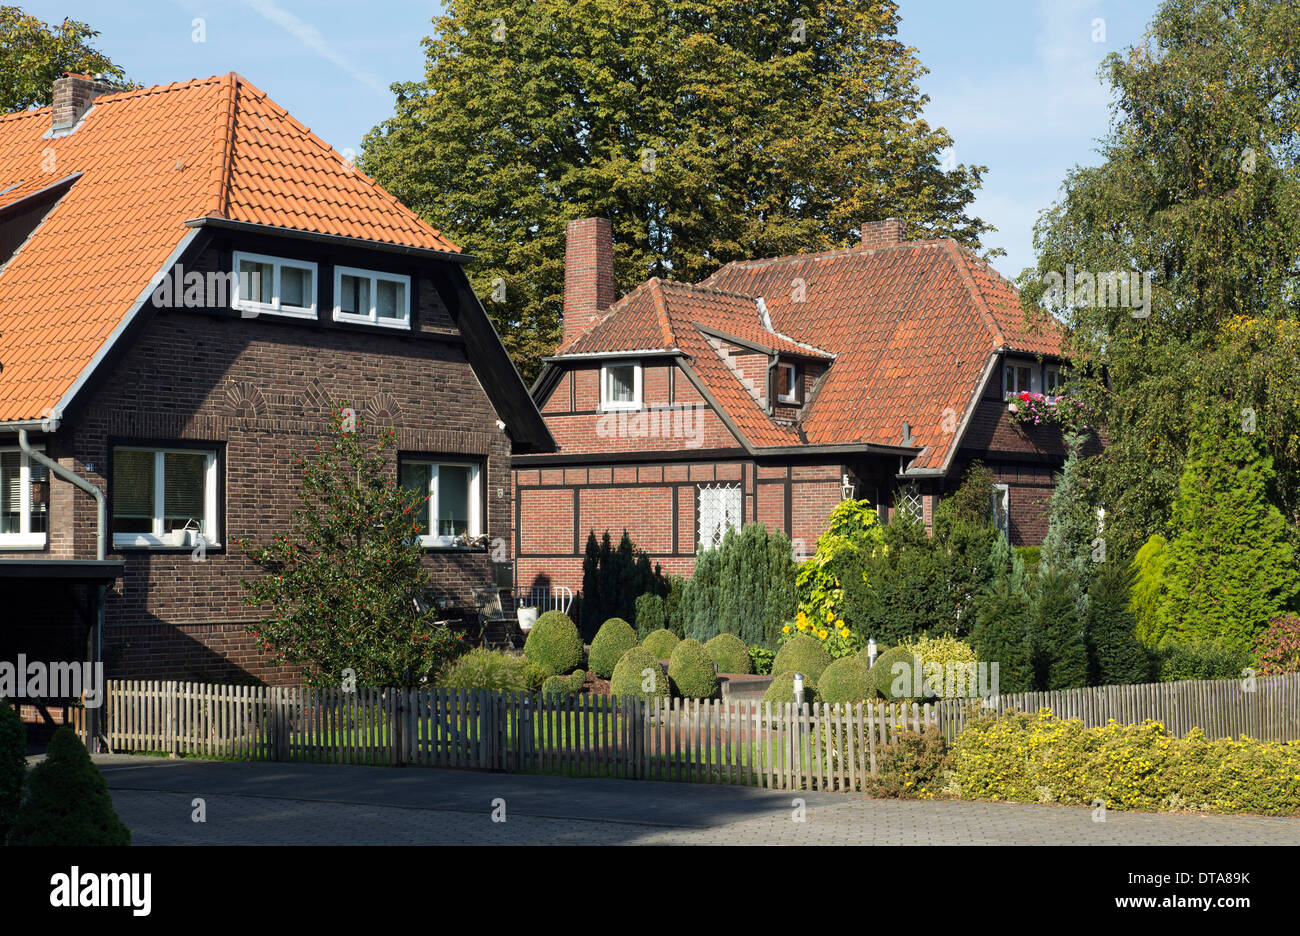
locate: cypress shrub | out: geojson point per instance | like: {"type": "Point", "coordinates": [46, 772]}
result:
{"type": "Point", "coordinates": [615, 638]}
{"type": "Point", "coordinates": [745, 587]}
{"type": "Point", "coordinates": [639, 673]}
{"type": "Point", "coordinates": [1206, 659]}
{"type": "Point", "coordinates": [649, 614]}
{"type": "Point", "coordinates": [1116, 655]}
{"type": "Point", "coordinates": [690, 671]}
{"type": "Point", "coordinates": [1071, 518]}
{"type": "Point", "coordinates": [660, 643]}
{"type": "Point", "coordinates": [1001, 633]}
{"type": "Point", "coordinates": [554, 642]}
{"type": "Point", "coordinates": [1060, 648]}
{"type": "Point", "coordinates": [13, 765]}
{"type": "Point", "coordinates": [730, 653]}
{"type": "Point", "coordinates": [67, 800]}
{"type": "Point", "coordinates": [1148, 589]}
{"type": "Point", "coordinates": [802, 654]}
{"type": "Point", "coordinates": [613, 577]}
{"type": "Point", "coordinates": [673, 606]}
{"type": "Point", "coordinates": [847, 680]}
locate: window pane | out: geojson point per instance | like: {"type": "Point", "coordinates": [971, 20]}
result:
{"type": "Point", "coordinates": [390, 300]}
{"type": "Point", "coordinates": [415, 478]}
{"type": "Point", "coordinates": [183, 490]}
{"type": "Point", "coordinates": [39, 477]}
{"type": "Point", "coordinates": [132, 491]}
{"type": "Point", "coordinates": [354, 295]}
{"type": "Point", "coordinates": [453, 500]}
{"type": "Point", "coordinates": [784, 379]}
{"type": "Point", "coordinates": [256, 281]}
{"type": "Point", "coordinates": [621, 383]}
{"type": "Point", "coordinates": [295, 287]}
{"type": "Point", "coordinates": [10, 504]}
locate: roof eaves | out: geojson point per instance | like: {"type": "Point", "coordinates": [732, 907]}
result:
{"type": "Point", "coordinates": [251, 227]}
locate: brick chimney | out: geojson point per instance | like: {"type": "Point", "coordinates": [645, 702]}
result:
{"type": "Point", "coordinates": [588, 274]}
{"type": "Point", "coordinates": [882, 233]}
{"type": "Point", "coordinates": [73, 95]}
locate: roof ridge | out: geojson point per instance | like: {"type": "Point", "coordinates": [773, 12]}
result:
{"type": "Point", "coordinates": [226, 140]}
{"type": "Point", "coordinates": [833, 253]}
{"type": "Point", "coordinates": [955, 253]}
{"type": "Point", "coordinates": [661, 312]}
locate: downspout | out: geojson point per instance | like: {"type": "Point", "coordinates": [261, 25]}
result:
{"type": "Point", "coordinates": [771, 389]}
{"type": "Point", "coordinates": [101, 551]}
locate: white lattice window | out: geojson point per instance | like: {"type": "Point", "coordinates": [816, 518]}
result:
{"type": "Point", "coordinates": [909, 499]}
{"type": "Point", "coordinates": [719, 509]}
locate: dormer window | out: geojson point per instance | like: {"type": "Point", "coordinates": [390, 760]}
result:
{"type": "Point", "coordinates": [620, 385]}
{"type": "Point", "coordinates": [1017, 377]}
{"type": "Point", "coordinates": [274, 286]}
{"type": "Point", "coordinates": [787, 383]}
{"type": "Point", "coordinates": [371, 298]}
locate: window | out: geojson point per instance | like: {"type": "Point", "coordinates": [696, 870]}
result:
{"type": "Point", "coordinates": [274, 286]}
{"type": "Point", "coordinates": [1002, 509]}
{"type": "Point", "coordinates": [1051, 380]}
{"type": "Point", "coordinates": [909, 500]}
{"type": "Point", "coordinates": [787, 383]}
{"type": "Point", "coordinates": [453, 497]}
{"type": "Point", "coordinates": [164, 497]}
{"type": "Point", "coordinates": [372, 298]}
{"type": "Point", "coordinates": [24, 501]}
{"type": "Point", "coordinates": [1018, 377]}
{"type": "Point", "coordinates": [719, 510]}
{"type": "Point", "coordinates": [620, 386]}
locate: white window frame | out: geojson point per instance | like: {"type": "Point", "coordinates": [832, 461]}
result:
{"type": "Point", "coordinates": [1056, 370]}
{"type": "Point", "coordinates": [1034, 380]}
{"type": "Point", "coordinates": [433, 541]}
{"type": "Point", "coordinates": [700, 544]}
{"type": "Point", "coordinates": [25, 538]}
{"type": "Point", "coordinates": [372, 318]}
{"type": "Point", "coordinates": [606, 404]}
{"type": "Point", "coordinates": [274, 307]}
{"type": "Point", "coordinates": [184, 539]}
{"type": "Point", "coordinates": [1002, 508]}
{"type": "Point", "coordinates": [793, 395]}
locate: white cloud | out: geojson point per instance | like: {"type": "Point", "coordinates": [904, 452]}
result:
{"type": "Point", "coordinates": [310, 36]}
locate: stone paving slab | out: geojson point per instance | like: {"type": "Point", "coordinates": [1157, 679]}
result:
{"type": "Point", "coordinates": [304, 804]}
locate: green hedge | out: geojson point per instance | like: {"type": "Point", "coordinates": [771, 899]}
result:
{"type": "Point", "coordinates": [1026, 758]}
{"type": "Point", "coordinates": [690, 671]}
{"type": "Point", "coordinates": [730, 653]}
{"type": "Point", "coordinates": [630, 674]}
{"type": "Point", "coordinates": [614, 639]}
{"type": "Point", "coordinates": [661, 643]}
{"type": "Point", "coordinates": [67, 800]}
{"type": "Point", "coordinates": [802, 654]}
{"type": "Point", "coordinates": [564, 685]}
{"type": "Point", "coordinates": [555, 643]}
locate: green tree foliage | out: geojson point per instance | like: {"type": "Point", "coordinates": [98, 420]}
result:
{"type": "Point", "coordinates": [613, 577]}
{"type": "Point", "coordinates": [13, 765]}
{"type": "Point", "coordinates": [1116, 655]}
{"type": "Point", "coordinates": [67, 800]}
{"type": "Point", "coordinates": [1071, 518]}
{"type": "Point", "coordinates": [673, 605]}
{"type": "Point", "coordinates": [1059, 644]}
{"type": "Point", "coordinates": [852, 530]}
{"type": "Point", "coordinates": [1231, 562]}
{"type": "Point", "coordinates": [1149, 589]}
{"type": "Point", "coordinates": [707, 131]}
{"type": "Point", "coordinates": [746, 587]}
{"type": "Point", "coordinates": [1004, 615]}
{"type": "Point", "coordinates": [33, 53]}
{"type": "Point", "coordinates": [338, 584]}
{"type": "Point", "coordinates": [650, 615]}
{"type": "Point", "coordinates": [1198, 185]}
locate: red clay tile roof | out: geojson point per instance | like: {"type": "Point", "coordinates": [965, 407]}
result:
{"type": "Point", "coordinates": [149, 160]}
{"type": "Point", "coordinates": [911, 327]}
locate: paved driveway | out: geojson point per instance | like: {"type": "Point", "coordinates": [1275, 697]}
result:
{"type": "Point", "coordinates": [304, 804]}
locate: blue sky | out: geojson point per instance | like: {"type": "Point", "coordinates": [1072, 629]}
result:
{"type": "Point", "coordinates": [1014, 82]}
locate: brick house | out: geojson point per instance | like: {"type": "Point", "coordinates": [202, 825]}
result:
{"type": "Point", "coordinates": [775, 388]}
{"type": "Point", "coordinates": [191, 283]}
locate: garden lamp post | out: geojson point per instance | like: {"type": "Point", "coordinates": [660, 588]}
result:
{"type": "Point", "coordinates": [871, 651]}
{"type": "Point", "coordinates": [798, 690]}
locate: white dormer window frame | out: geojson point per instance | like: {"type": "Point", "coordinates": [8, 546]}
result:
{"type": "Point", "coordinates": [607, 401]}
{"type": "Point", "coordinates": [373, 280]}
{"type": "Point", "coordinates": [258, 299]}
{"type": "Point", "coordinates": [1014, 371]}
{"type": "Point", "coordinates": [793, 395]}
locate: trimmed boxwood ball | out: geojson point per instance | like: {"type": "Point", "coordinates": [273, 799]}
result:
{"type": "Point", "coordinates": [555, 643]}
{"type": "Point", "coordinates": [690, 671]}
{"type": "Point", "coordinates": [615, 638]}
{"type": "Point", "coordinates": [630, 673]}
{"type": "Point", "coordinates": [67, 800]}
{"type": "Point", "coordinates": [782, 689]}
{"type": "Point", "coordinates": [661, 643]}
{"type": "Point", "coordinates": [883, 675]}
{"type": "Point", "coordinates": [802, 654]}
{"type": "Point", "coordinates": [564, 685]}
{"type": "Point", "coordinates": [730, 653]}
{"type": "Point", "coordinates": [847, 679]}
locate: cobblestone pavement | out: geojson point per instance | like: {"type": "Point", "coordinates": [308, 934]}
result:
{"type": "Point", "coordinates": [305, 804]}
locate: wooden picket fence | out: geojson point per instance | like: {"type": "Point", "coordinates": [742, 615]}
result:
{"type": "Point", "coordinates": [778, 746]}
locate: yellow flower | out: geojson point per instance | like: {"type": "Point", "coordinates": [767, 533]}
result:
{"type": "Point", "coordinates": [822, 634]}
{"type": "Point", "coordinates": [844, 632]}
{"type": "Point", "coordinates": [839, 623]}
{"type": "Point", "coordinates": [830, 615]}
{"type": "Point", "coordinates": [802, 625]}
{"type": "Point", "coordinates": [786, 629]}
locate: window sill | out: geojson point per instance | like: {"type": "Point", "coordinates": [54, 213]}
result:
{"type": "Point", "coordinates": [252, 310]}
{"type": "Point", "coordinates": [619, 407]}
{"type": "Point", "coordinates": [23, 540]}
{"type": "Point", "coordinates": [143, 541]}
{"type": "Point", "coordinates": [347, 318]}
